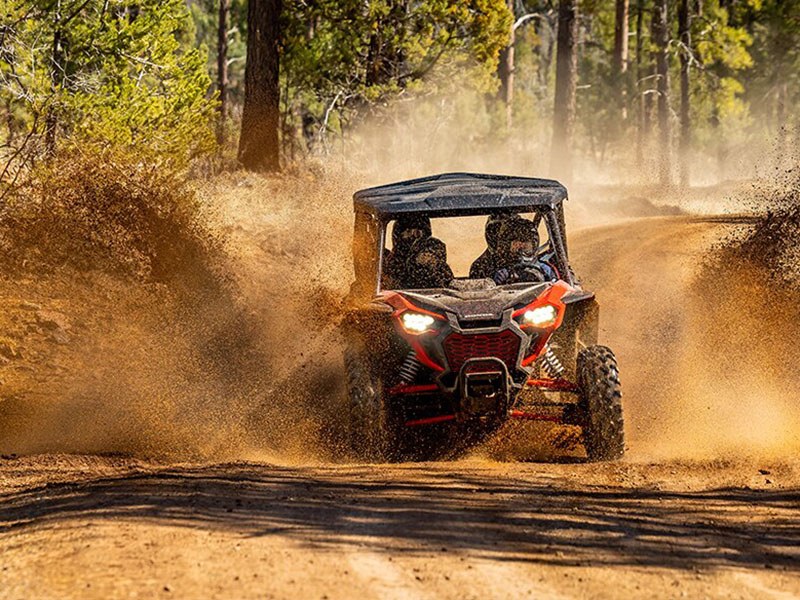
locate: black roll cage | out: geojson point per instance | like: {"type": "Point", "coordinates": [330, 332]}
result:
{"type": "Point", "coordinates": [450, 195]}
{"type": "Point", "coordinates": [371, 240]}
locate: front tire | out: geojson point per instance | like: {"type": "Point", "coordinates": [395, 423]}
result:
{"type": "Point", "coordinates": [600, 403]}
{"type": "Point", "coordinates": [373, 431]}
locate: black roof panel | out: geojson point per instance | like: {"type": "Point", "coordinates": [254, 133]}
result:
{"type": "Point", "coordinates": [452, 194]}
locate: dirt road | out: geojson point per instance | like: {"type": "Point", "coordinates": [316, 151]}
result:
{"type": "Point", "coordinates": [662, 523]}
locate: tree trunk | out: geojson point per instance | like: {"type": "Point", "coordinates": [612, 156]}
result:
{"type": "Point", "coordinates": [640, 74]}
{"type": "Point", "coordinates": [259, 148]}
{"type": "Point", "coordinates": [566, 84]}
{"type": "Point", "coordinates": [56, 81]}
{"type": "Point", "coordinates": [651, 87]}
{"type": "Point", "coordinates": [684, 33]}
{"type": "Point", "coordinates": [620, 62]}
{"type": "Point", "coordinates": [722, 150]}
{"type": "Point", "coordinates": [505, 71]}
{"type": "Point", "coordinates": [546, 32]}
{"type": "Point", "coordinates": [661, 35]}
{"type": "Point", "coordinates": [374, 56]}
{"type": "Point", "coordinates": [11, 129]}
{"type": "Point", "coordinates": [781, 122]}
{"type": "Point", "coordinates": [222, 68]}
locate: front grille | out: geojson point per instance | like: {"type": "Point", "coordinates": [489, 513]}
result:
{"type": "Point", "coordinates": [460, 347]}
{"type": "Point", "coordinates": [479, 323]}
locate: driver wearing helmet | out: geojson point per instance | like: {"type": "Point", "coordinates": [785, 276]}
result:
{"type": "Point", "coordinates": [517, 261]}
{"type": "Point", "coordinates": [487, 263]}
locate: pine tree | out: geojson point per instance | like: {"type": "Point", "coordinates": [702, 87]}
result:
{"type": "Point", "coordinates": [661, 36]}
{"type": "Point", "coordinates": [259, 147]}
{"type": "Point", "coordinates": [566, 84]}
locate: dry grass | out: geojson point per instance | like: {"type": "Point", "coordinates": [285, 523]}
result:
{"type": "Point", "coordinates": [104, 211]}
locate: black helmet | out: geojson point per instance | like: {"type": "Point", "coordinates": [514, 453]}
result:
{"type": "Point", "coordinates": [429, 247]}
{"type": "Point", "coordinates": [427, 267]}
{"type": "Point", "coordinates": [517, 230]}
{"type": "Point", "coordinates": [407, 222]}
{"type": "Point", "coordinates": [493, 225]}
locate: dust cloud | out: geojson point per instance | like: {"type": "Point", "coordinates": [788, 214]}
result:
{"type": "Point", "coordinates": [739, 356]}
{"type": "Point", "coordinates": [235, 365]}
{"type": "Point", "coordinates": [736, 382]}
{"type": "Point", "coordinates": [252, 368]}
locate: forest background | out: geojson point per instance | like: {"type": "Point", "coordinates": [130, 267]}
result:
{"type": "Point", "coordinates": [625, 91]}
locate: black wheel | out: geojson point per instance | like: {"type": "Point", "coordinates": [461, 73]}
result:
{"type": "Point", "coordinates": [600, 403]}
{"type": "Point", "coordinates": [374, 432]}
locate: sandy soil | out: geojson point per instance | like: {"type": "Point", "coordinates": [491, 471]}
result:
{"type": "Point", "coordinates": [706, 504]}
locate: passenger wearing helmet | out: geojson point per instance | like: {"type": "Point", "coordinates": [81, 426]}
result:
{"type": "Point", "coordinates": [427, 266]}
{"type": "Point", "coordinates": [518, 242]}
{"type": "Point", "coordinates": [407, 230]}
{"type": "Point", "coordinates": [488, 262]}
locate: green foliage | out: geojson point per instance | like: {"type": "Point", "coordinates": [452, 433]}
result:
{"type": "Point", "coordinates": [775, 28]}
{"type": "Point", "coordinates": [345, 56]}
{"type": "Point", "coordinates": [598, 115]}
{"type": "Point", "coordinates": [205, 15]}
{"type": "Point", "coordinates": [720, 59]}
{"type": "Point", "coordinates": [718, 43]}
{"type": "Point", "coordinates": [137, 74]}
{"type": "Point", "coordinates": [113, 73]}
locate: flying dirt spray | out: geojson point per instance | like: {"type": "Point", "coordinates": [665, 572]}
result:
{"type": "Point", "coordinates": [252, 369]}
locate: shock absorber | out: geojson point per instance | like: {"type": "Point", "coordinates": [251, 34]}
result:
{"type": "Point", "coordinates": [551, 364]}
{"type": "Point", "coordinates": [409, 368]}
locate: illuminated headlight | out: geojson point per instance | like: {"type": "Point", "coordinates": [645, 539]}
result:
{"type": "Point", "coordinates": [416, 322]}
{"type": "Point", "coordinates": [541, 316]}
